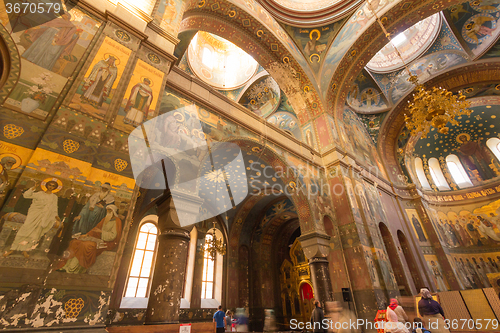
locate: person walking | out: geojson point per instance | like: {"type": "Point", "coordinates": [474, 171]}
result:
{"type": "Point", "coordinates": [228, 320]}
{"type": "Point", "coordinates": [431, 313]}
{"type": "Point", "coordinates": [398, 309]}
{"type": "Point", "coordinates": [317, 317]}
{"type": "Point", "coordinates": [220, 320]}
{"type": "Point", "coordinates": [393, 325]}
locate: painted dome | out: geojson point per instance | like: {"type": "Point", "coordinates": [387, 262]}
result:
{"type": "Point", "coordinates": [219, 62]}
{"type": "Point", "coordinates": [411, 43]}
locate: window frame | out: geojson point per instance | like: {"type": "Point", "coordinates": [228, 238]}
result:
{"type": "Point", "coordinates": [437, 175]}
{"type": "Point", "coordinates": [155, 252]}
{"type": "Point", "coordinates": [453, 159]}
{"type": "Point", "coordinates": [203, 279]}
{"type": "Point", "coordinates": [494, 145]}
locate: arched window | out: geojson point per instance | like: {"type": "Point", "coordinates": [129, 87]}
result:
{"type": "Point", "coordinates": [139, 278]}
{"type": "Point", "coordinates": [422, 178]}
{"type": "Point", "coordinates": [207, 283]}
{"type": "Point", "coordinates": [188, 285]}
{"type": "Point", "coordinates": [207, 58]}
{"type": "Point", "coordinates": [437, 175]}
{"type": "Point", "coordinates": [457, 171]}
{"type": "Point", "coordinates": [494, 145]}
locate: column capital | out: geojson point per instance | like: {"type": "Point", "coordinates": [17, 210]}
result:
{"type": "Point", "coordinates": [315, 244]}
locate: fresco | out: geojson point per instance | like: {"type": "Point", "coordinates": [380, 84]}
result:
{"type": "Point", "coordinates": [437, 273]}
{"type": "Point", "coordinates": [49, 55]}
{"type": "Point", "coordinates": [493, 52]}
{"type": "Point", "coordinates": [365, 96]}
{"type": "Point", "coordinates": [13, 159]}
{"type": "Point", "coordinates": [141, 97]}
{"type": "Point", "coordinates": [473, 269]}
{"type": "Point", "coordinates": [352, 29]}
{"type": "Point", "coordinates": [262, 97]}
{"type": "Point", "coordinates": [467, 141]}
{"type": "Point", "coordinates": [372, 124]}
{"type": "Point", "coordinates": [333, 128]}
{"type": "Point", "coordinates": [475, 23]}
{"type": "Point", "coordinates": [99, 84]}
{"type": "Point", "coordinates": [168, 15]}
{"type": "Point", "coordinates": [63, 206]}
{"type": "Point", "coordinates": [424, 68]}
{"type": "Point", "coordinates": [286, 121]}
{"type": "Point", "coordinates": [357, 141]}
{"type": "Point", "coordinates": [309, 136]}
{"type": "Point", "coordinates": [314, 42]}
{"type": "Point", "coordinates": [480, 90]}
{"type": "Point", "coordinates": [352, 199]}
{"type": "Point", "coordinates": [416, 225]}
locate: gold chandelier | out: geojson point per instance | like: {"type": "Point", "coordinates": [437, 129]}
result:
{"type": "Point", "coordinates": [434, 107]}
{"type": "Point", "coordinates": [215, 245]}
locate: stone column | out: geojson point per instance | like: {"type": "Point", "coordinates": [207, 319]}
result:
{"type": "Point", "coordinates": [316, 246]}
{"type": "Point", "coordinates": [320, 276]}
{"type": "Point", "coordinates": [170, 267]}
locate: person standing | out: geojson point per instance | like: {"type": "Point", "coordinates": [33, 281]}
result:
{"type": "Point", "coordinates": [317, 317]}
{"type": "Point", "coordinates": [228, 320]}
{"type": "Point", "coordinates": [431, 312]}
{"type": "Point", "coordinates": [220, 320]}
{"type": "Point", "coordinates": [398, 309]}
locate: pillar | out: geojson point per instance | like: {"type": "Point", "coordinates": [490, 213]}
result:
{"type": "Point", "coordinates": [170, 267]}
{"type": "Point", "coordinates": [320, 277]}
{"type": "Point", "coordinates": [198, 269]}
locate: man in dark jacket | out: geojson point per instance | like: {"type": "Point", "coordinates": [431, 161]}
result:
{"type": "Point", "coordinates": [317, 317]}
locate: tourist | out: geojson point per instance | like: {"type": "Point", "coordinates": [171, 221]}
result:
{"type": "Point", "coordinates": [419, 326]}
{"type": "Point", "coordinates": [393, 325]}
{"type": "Point", "coordinates": [220, 320]}
{"type": "Point", "coordinates": [228, 320]}
{"type": "Point", "coordinates": [398, 309]}
{"type": "Point", "coordinates": [317, 317]}
{"type": "Point", "coordinates": [431, 312]}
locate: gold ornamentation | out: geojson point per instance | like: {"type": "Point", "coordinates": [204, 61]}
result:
{"type": "Point", "coordinates": [314, 55]}
{"type": "Point", "coordinates": [120, 164]}
{"type": "Point", "coordinates": [214, 245]}
{"type": "Point", "coordinates": [154, 58]}
{"type": "Point", "coordinates": [46, 180]}
{"type": "Point", "coordinates": [122, 35]}
{"type": "Point", "coordinates": [260, 33]}
{"type": "Point", "coordinates": [314, 31]}
{"type": "Point", "coordinates": [11, 131]}
{"type": "Point", "coordinates": [70, 146]}
{"type": "Point", "coordinates": [73, 307]}
{"type": "Point", "coordinates": [232, 13]}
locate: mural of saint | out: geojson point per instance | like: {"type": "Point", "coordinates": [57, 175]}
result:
{"type": "Point", "coordinates": [138, 103]}
{"type": "Point", "coordinates": [477, 28]}
{"type": "Point", "coordinates": [475, 156]}
{"type": "Point", "coordinates": [474, 234]}
{"type": "Point", "coordinates": [418, 229]}
{"type": "Point", "coordinates": [94, 210]}
{"type": "Point", "coordinates": [438, 276]}
{"type": "Point", "coordinates": [486, 228]}
{"type": "Point", "coordinates": [6, 163]}
{"type": "Point", "coordinates": [41, 217]}
{"type": "Point", "coordinates": [464, 237]}
{"type": "Point", "coordinates": [84, 250]}
{"type": "Point", "coordinates": [97, 86]}
{"type": "Point", "coordinates": [51, 41]}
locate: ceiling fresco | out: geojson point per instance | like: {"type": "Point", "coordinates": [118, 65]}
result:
{"type": "Point", "coordinates": [372, 124]}
{"type": "Point", "coordinates": [306, 5]}
{"type": "Point", "coordinates": [475, 23]}
{"type": "Point", "coordinates": [262, 97]}
{"type": "Point", "coordinates": [365, 96]}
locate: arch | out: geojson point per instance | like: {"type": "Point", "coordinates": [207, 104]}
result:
{"type": "Point", "coordinates": [457, 171]}
{"type": "Point", "coordinates": [397, 266]}
{"type": "Point", "coordinates": [410, 261]}
{"type": "Point", "coordinates": [11, 64]}
{"type": "Point", "coordinates": [494, 145]}
{"type": "Point", "coordinates": [422, 178]}
{"type": "Point", "coordinates": [437, 175]}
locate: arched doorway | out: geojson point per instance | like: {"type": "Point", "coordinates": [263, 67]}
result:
{"type": "Point", "coordinates": [410, 260]}
{"type": "Point", "coordinates": [397, 267]}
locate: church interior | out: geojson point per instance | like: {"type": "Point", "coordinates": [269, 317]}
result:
{"type": "Point", "coordinates": [162, 158]}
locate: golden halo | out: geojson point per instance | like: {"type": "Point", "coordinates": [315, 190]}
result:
{"type": "Point", "coordinates": [253, 102]}
{"type": "Point", "coordinates": [178, 114]}
{"type": "Point", "coordinates": [286, 60]}
{"type": "Point", "coordinates": [45, 181]}
{"type": "Point", "coordinates": [107, 55]}
{"type": "Point", "coordinates": [145, 77]}
{"type": "Point", "coordinates": [260, 33]}
{"type": "Point", "coordinates": [311, 33]}
{"type": "Point", "coordinates": [17, 158]}
{"type": "Point", "coordinates": [465, 134]}
{"type": "Point", "coordinates": [314, 55]}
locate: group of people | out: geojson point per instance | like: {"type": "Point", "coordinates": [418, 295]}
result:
{"type": "Point", "coordinates": [396, 318]}
{"type": "Point", "coordinates": [229, 322]}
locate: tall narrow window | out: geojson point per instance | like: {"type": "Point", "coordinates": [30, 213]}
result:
{"type": "Point", "coordinates": [437, 175]}
{"type": "Point", "coordinates": [207, 286]}
{"type": "Point", "coordinates": [494, 145]}
{"type": "Point", "coordinates": [422, 178]}
{"type": "Point", "coordinates": [457, 171]}
{"type": "Point", "coordinates": [139, 279]}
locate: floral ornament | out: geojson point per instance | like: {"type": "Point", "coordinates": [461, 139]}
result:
{"type": "Point", "coordinates": [11, 131]}
{"type": "Point", "coordinates": [42, 88]}
{"type": "Point", "coordinates": [73, 307]}
{"type": "Point", "coordinates": [120, 164]}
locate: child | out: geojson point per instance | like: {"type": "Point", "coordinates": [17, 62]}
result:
{"type": "Point", "coordinates": [419, 326]}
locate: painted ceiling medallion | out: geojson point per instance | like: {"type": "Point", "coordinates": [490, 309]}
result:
{"type": "Point", "coordinates": [411, 43]}
{"type": "Point", "coordinates": [310, 13]}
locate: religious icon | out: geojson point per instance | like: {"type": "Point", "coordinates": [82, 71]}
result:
{"type": "Point", "coordinates": [98, 84]}
{"type": "Point", "coordinates": [138, 103]}
{"type": "Point", "coordinates": [94, 210]}
{"type": "Point", "coordinates": [42, 216]}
